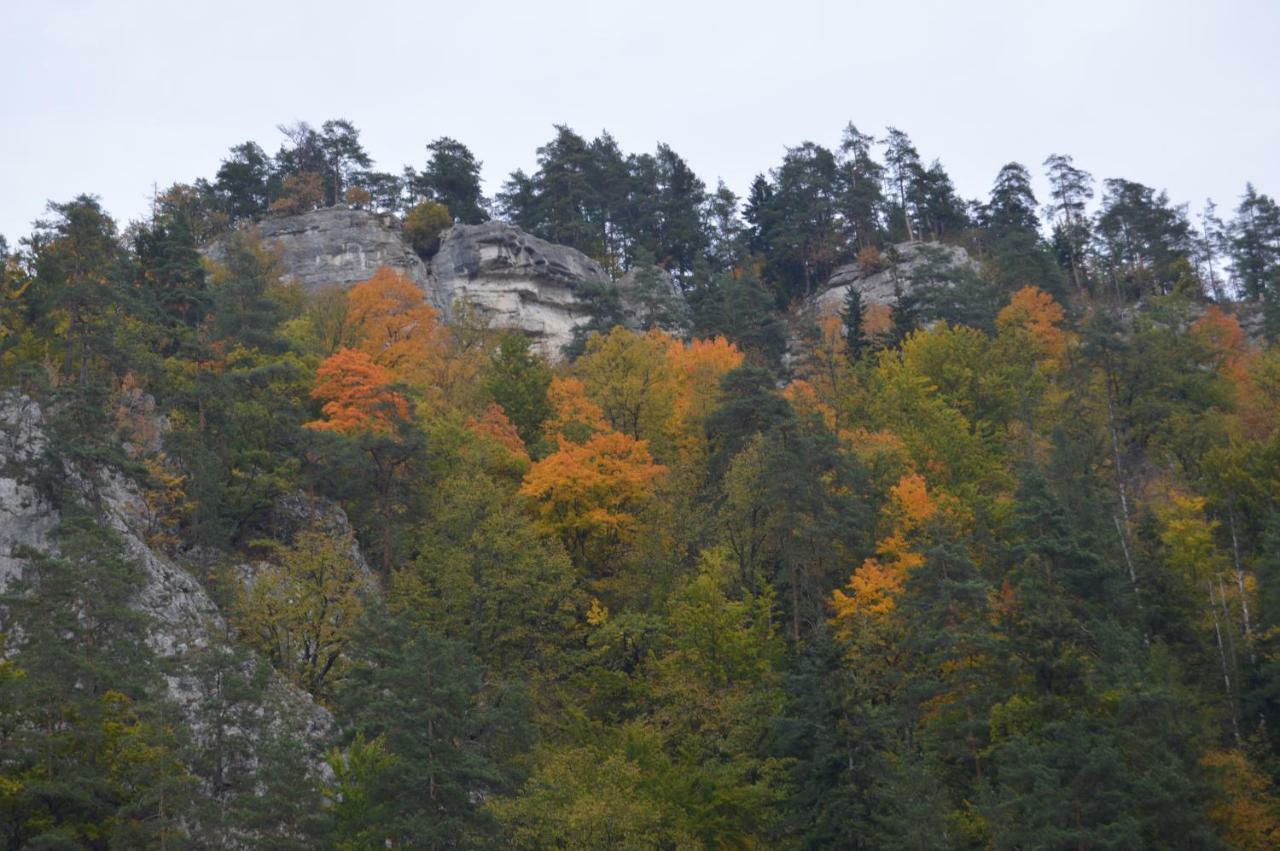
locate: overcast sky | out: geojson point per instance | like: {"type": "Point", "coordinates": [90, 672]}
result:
{"type": "Point", "coordinates": [112, 98]}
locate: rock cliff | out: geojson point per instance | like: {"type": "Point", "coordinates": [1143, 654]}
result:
{"type": "Point", "coordinates": [338, 247]}
{"type": "Point", "coordinates": [506, 277]}
{"type": "Point", "coordinates": [514, 280]}
{"type": "Point", "coordinates": [182, 614]}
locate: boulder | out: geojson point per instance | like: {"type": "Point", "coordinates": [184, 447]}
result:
{"type": "Point", "coordinates": [339, 247]}
{"type": "Point", "coordinates": [512, 279]}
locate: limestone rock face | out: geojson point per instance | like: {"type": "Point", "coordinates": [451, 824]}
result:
{"type": "Point", "coordinates": [906, 267]}
{"type": "Point", "coordinates": [183, 615]}
{"type": "Point", "coordinates": [507, 278]}
{"type": "Point", "coordinates": [514, 280]}
{"type": "Point", "coordinates": [338, 247]}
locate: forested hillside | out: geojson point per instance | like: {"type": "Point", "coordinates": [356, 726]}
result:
{"type": "Point", "coordinates": [988, 557]}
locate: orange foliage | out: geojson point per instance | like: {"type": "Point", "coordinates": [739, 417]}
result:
{"type": "Point", "coordinates": [392, 323]}
{"type": "Point", "coordinates": [1221, 334]}
{"type": "Point", "coordinates": [875, 585]}
{"type": "Point", "coordinates": [1034, 311]}
{"type": "Point", "coordinates": [495, 425]}
{"type": "Point", "coordinates": [357, 395]}
{"type": "Point", "coordinates": [697, 370]}
{"type": "Point", "coordinates": [589, 489]}
{"type": "Point", "coordinates": [877, 319]}
{"type": "Point", "coordinates": [1247, 810]}
{"type": "Point", "coordinates": [803, 396]}
{"type": "Point", "coordinates": [574, 415]}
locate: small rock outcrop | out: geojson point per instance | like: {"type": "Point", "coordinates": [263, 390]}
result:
{"type": "Point", "coordinates": [514, 280]}
{"type": "Point", "coordinates": [906, 266]}
{"type": "Point", "coordinates": [339, 247]}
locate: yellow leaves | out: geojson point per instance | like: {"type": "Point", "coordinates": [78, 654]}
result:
{"type": "Point", "coordinates": [357, 395]}
{"type": "Point", "coordinates": [1034, 312]}
{"type": "Point", "coordinates": [598, 614]}
{"type": "Point", "coordinates": [654, 387]}
{"type": "Point", "coordinates": [876, 585]}
{"type": "Point", "coordinates": [1247, 809]}
{"type": "Point", "coordinates": [589, 490]}
{"type": "Point", "coordinates": [302, 611]}
{"type": "Point", "coordinates": [1188, 537]}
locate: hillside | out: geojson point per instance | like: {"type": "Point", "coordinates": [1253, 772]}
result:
{"type": "Point", "coordinates": [340, 508]}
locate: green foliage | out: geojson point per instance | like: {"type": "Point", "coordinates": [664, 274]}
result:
{"type": "Point", "coordinates": [445, 731]}
{"type": "Point", "coordinates": [424, 223]}
{"type": "Point", "coordinates": [517, 379]}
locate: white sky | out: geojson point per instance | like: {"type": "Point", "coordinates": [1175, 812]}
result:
{"type": "Point", "coordinates": [112, 98]}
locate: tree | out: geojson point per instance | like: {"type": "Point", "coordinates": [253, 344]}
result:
{"type": "Point", "coordinates": [1070, 189]}
{"type": "Point", "coordinates": [243, 181]}
{"type": "Point", "coordinates": [299, 193]}
{"type": "Point", "coordinates": [861, 193]}
{"type": "Point", "coordinates": [390, 320]}
{"type": "Point", "coordinates": [485, 575]}
{"type": "Point", "coordinates": [301, 611]}
{"type": "Point", "coordinates": [424, 223]}
{"type": "Point", "coordinates": [518, 380]}
{"type": "Point", "coordinates": [452, 179]}
{"type": "Point", "coordinates": [1255, 247]}
{"type": "Point", "coordinates": [90, 751]}
{"type": "Point", "coordinates": [803, 235]}
{"type": "Point", "coordinates": [445, 732]}
{"type": "Point", "coordinates": [587, 492]}
{"type": "Point", "coordinates": [904, 171]}
{"type": "Point", "coordinates": [357, 395]}
{"type": "Point", "coordinates": [1144, 242]}
{"type": "Point", "coordinates": [851, 317]}
{"type": "Point", "coordinates": [80, 271]}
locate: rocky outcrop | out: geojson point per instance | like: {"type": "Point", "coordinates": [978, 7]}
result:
{"type": "Point", "coordinates": [338, 247]}
{"type": "Point", "coordinates": [514, 280]}
{"type": "Point", "coordinates": [906, 266]}
{"type": "Point", "coordinates": [183, 616]}
{"type": "Point", "coordinates": [503, 276]}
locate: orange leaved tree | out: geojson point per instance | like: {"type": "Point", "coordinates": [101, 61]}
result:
{"type": "Point", "coordinates": [360, 403]}
{"type": "Point", "coordinates": [357, 395]}
{"type": "Point", "coordinates": [587, 492]}
{"type": "Point", "coordinates": [390, 320]}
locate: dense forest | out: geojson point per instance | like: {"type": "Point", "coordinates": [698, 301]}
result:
{"type": "Point", "coordinates": [994, 566]}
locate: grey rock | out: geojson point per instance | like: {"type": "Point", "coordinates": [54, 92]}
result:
{"type": "Point", "coordinates": [880, 286]}
{"type": "Point", "coordinates": [339, 247]}
{"type": "Point", "coordinates": [497, 273]}
{"type": "Point", "coordinates": [182, 614]}
{"type": "Point", "coordinates": [514, 280]}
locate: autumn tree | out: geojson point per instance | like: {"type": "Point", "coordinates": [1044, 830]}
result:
{"type": "Point", "coordinates": [587, 492]}
{"type": "Point", "coordinates": [357, 395]}
{"type": "Point", "coordinates": [301, 609]}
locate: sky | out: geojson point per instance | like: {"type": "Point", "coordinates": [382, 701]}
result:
{"type": "Point", "coordinates": [118, 98]}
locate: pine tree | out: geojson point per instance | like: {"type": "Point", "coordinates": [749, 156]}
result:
{"type": "Point", "coordinates": [854, 338]}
